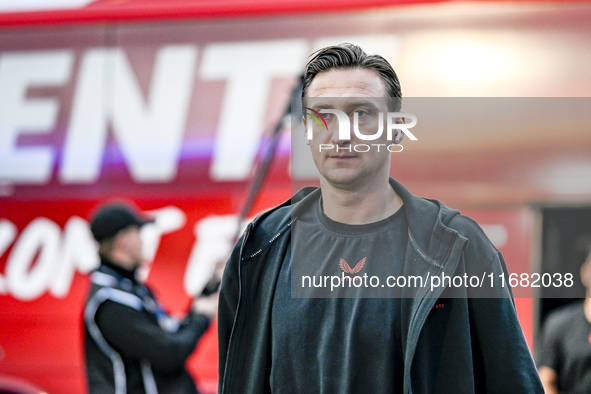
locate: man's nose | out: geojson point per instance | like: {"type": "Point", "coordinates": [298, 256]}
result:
{"type": "Point", "coordinates": [337, 138]}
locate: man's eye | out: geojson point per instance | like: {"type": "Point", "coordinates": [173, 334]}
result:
{"type": "Point", "coordinates": [361, 113]}
{"type": "Point", "coordinates": [326, 115]}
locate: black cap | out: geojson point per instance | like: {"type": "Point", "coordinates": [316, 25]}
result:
{"type": "Point", "coordinates": [111, 218]}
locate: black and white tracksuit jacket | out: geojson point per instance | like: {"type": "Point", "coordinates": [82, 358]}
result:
{"type": "Point", "coordinates": [131, 344]}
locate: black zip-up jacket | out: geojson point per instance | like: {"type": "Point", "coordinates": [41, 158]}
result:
{"type": "Point", "coordinates": [131, 344]}
{"type": "Point", "coordinates": [468, 345]}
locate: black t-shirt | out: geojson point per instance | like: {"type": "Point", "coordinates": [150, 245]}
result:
{"type": "Point", "coordinates": [566, 348]}
{"type": "Point", "coordinates": [339, 345]}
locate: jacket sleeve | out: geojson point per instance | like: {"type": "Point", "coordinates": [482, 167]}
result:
{"type": "Point", "coordinates": [138, 335]}
{"type": "Point", "coordinates": [502, 357]}
{"type": "Point", "coordinates": [227, 307]}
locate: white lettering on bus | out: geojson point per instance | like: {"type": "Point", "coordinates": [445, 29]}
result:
{"type": "Point", "coordinates": [45, 258]}
{"type": "Point", "coordinates": [19, 115]}
{"type": "Point", "coordinates": [149, 134]}
{"type": "Point", "coordinates": [149, 131]}
{"type": "Point", "coordinates": [249, 69]}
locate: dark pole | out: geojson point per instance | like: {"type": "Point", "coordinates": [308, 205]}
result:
{"type": "Point", "coordinates": [263, 167]}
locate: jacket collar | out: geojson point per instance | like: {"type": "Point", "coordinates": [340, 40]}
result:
{"type": "Point", "coordinates": [428, 226]}
{"type": "Point", "coordinates": [109, 267]}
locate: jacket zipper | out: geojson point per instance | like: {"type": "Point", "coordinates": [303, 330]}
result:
{"type": "Point", "coordinates": [421, 253]}
{"type": "Point", "coordinates": [413, 336]}
{"type": "Point", "coordinates": [269, 242]}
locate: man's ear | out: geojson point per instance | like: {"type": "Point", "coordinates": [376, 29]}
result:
{"type": "Point", "coordinates": [399, 134]}
{"type": "Point", "coordinates": [586, 273]}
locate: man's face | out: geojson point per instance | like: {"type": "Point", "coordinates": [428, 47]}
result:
{"type": "Point", "coordinates": [131, 243]}
{"type": "Point", "coordinates": [352, 91]}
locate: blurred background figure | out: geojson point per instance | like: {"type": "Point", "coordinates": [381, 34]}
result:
{"type": "Point", "coordinates": [565, 358]}
{"type": "Point", "coordinates": [132, 345]}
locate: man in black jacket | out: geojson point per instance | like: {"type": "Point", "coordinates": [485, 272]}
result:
{"type": "Point", "coordinates": [274, 336]}
{"type": "Point", "coordinates": [131, 344]}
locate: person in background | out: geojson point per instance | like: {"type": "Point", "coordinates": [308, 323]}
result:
{"type": "Point", "coordinates": [131, 344]}
{"type": "Point", "coordinates": [564, 364]}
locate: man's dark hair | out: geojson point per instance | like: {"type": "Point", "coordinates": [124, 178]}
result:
{"type": "Point", "coordinates": [347, 56]}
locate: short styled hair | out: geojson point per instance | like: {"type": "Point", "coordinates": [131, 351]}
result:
{"type": "Point", "coordinates": [347, 56]}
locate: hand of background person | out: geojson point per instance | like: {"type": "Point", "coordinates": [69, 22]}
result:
{"type": "Point", "coordinates": [206, 305]}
